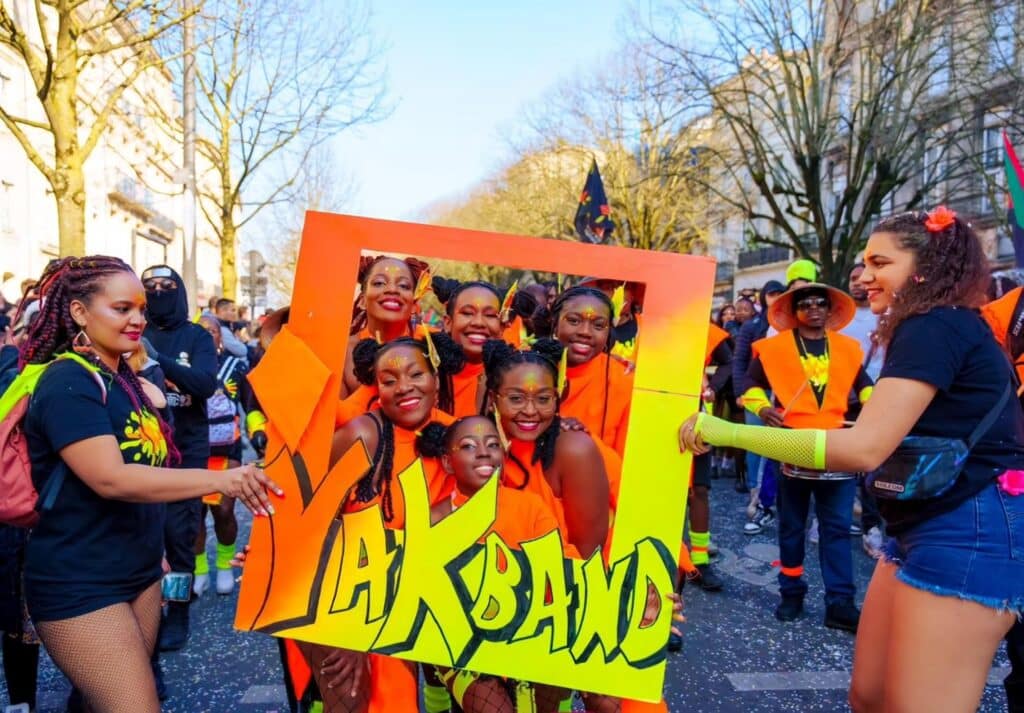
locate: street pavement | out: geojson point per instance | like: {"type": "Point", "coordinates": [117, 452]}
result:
{"type": "Point", "coordinates": [736, 656]}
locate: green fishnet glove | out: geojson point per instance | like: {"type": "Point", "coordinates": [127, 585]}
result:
{"type": "Point", "coordinates": [804, 448]}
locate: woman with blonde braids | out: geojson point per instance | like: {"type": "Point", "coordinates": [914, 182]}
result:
{"type": "Point", "coordinates": [951, 582]}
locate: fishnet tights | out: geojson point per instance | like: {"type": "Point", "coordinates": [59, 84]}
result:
{"type": "Point", "coordinates": [479, 693]}
{"type": "Point", "coordinates": [106, 653]}
{"type": "Point", "coordinates": [338, 699]}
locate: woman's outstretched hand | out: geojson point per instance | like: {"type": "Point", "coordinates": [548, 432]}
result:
{"type": "Point", "coordinates": [689, 439]}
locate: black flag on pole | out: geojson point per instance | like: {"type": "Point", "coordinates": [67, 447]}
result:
{"type": "Point", "coordinates": [593, 216]}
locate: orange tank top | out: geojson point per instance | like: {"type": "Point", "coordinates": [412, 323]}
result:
{"type": "Point", "coordinates": [465, 385]}
{"type": "Point", "coordinates": [599, 395]}
{"type": "Point", "coordinates": [521, 516]}
{"type": "Point", "coordinates": [533, 480]}
{"type": "Point", "coordinates": [439, 483]}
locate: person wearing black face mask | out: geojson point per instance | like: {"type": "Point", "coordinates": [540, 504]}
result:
{"type": "Point", "coordinates": [186, 353]}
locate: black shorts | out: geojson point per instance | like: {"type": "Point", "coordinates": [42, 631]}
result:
{"type": "Point", "coordinates": [702, 470]}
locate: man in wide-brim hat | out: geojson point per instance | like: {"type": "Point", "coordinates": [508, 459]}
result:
{"type": "Point", "coordinates": [811, 371]}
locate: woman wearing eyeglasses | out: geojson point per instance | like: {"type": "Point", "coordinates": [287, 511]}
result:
{"type": "Point", "coordinates": [811, 370]}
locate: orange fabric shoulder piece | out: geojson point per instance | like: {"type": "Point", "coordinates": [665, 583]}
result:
{"type": "Point", "coordinates": [716, 335]}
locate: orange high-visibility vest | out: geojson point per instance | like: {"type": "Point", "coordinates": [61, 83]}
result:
{"type": "Point", "coordinates": [999, 315]}
{"type": "Point", "coordinates": [780, 358]}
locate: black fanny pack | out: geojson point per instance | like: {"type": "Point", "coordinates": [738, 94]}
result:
{"type": "Point", "coordinates": [924, 467]}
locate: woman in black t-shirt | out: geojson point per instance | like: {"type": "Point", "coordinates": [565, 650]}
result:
{"type": "Point", "coordinates": [92, 566]}
{"type": "Point", "coordinates": [952, 581]}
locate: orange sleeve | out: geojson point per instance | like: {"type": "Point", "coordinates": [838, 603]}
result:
{"type": "Point", "coordinates": [623, 394]}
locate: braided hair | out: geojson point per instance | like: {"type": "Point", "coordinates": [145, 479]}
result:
{"type": "Point", "coordinates": [366, 264]}
{"type": "Point", "coordinates": [951, 268]}
{"type": "Point", "coordinates": [365, 357]}
{"type": "Point", "coordinates": [73, 279]}
{"type": "Point", "coordinates": [499, 358]}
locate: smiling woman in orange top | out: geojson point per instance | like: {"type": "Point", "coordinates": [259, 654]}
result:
{"type": "Point", "coordinates": [384, 307]}
{"type": "Point", "coordinates": [564, 468]}
{"type": "Point", "coordinates": [472, 316]}
{"type": "Point", "coordinates": [409, 387]}
{"type": "Point", "coordinates": [599, 390]}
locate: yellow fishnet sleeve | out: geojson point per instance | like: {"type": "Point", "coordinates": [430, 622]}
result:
{"type": "Point", "coordinates": [803, 447]}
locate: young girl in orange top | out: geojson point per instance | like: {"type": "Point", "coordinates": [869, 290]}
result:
{"type": "Point", "coordinates": [471, 452]}
{"type": "Point", "coordinates": [599, 390]}
{"type": "Point", "coordinates": [409, 386]}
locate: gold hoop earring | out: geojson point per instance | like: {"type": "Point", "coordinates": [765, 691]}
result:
{"type": "Point", "coordinates": [81, 344]}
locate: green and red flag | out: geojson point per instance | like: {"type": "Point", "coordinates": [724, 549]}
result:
{"type": "Point", "coordinates": [1015, 198]}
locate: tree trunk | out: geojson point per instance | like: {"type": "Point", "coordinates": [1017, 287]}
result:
{"type": "Point", "coordinates": [61, 106]}
{"type": "Point", "coordinates": [228, 271]}
{"type": "Point", "coordinates": [70, 199]}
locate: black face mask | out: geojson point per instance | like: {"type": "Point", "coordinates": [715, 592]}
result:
{"type": "Point", "coordinates": [161, 303]}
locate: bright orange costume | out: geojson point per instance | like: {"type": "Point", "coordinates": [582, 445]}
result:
{"type": "Point", "coordinates": [999, 315]}
{"type": "Point", "coordinates": [599, 396]}
{"type": "Point", "coordinates": [439, 483]}
{"type": "Point", "coordinates": [465, 387]}
{"type": "Point", "coordinates": [780, 359]}
{"type": "Point", "coordinates": [394, 685]}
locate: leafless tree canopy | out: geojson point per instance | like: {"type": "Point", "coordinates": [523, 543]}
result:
{"type": "Point", "coordinates": [276, 80]}
{"type": "Point", "coordinates": [815, 115]}
{"type": "Point", "coordinates": [62, 43]}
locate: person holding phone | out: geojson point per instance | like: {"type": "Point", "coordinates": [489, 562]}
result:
{"type": "Point", "coordinates": [93, 563]}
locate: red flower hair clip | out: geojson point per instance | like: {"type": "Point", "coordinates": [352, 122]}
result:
{"type": "Point", "coordinates": [939, 219]}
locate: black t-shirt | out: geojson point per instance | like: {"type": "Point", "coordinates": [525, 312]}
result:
{"type": "Point", "coordinates": [954, 350]}
{"type": "Point", "coordinates": [88, 552]}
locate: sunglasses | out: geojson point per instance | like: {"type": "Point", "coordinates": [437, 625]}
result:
{"type": "Point", "coordinates": [812, 302]}
{"type": "Point", "coordinates": [163, 284]}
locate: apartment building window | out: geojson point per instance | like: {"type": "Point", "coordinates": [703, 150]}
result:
{"type": "Point", "coordinates": [933, 171]}
{"type": "Point", "coordinates": [992, 144]}
{"type": "Point", "coordinates": [844, 98]}
{"type": "Point", "coordinates": [938, 65]}
{"type": "Point", "coordinates": [1002, 45]}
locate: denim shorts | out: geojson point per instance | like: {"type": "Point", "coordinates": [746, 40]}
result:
{"type": "Point", "coordinates": [975, 552]}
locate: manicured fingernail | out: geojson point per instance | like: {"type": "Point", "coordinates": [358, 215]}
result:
{"type": "Point", "coordinates": [271, 508]}
{"type": "Point", "coordinates": [264, 513]}
{"type": "Point", "coordinates": [279, 493]}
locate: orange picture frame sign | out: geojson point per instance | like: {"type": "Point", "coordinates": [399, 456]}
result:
{"type": "Point", "coordinates": [350, 584]}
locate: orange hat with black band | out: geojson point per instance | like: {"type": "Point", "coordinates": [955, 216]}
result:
{"type": "Point", "coordinates": [782, 314]}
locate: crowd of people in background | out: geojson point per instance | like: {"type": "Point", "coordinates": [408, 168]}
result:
{"type": "Point", "coordinates": [808, 391]}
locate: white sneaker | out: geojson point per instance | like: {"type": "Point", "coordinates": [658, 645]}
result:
{"type": "Point", "coordinates": [200, 584]}
{"type": "Point", "coordinates": [812, 534]}
{"type": "Point", "coordinates": [873, 542]}
{"type": "Point", "coordinates": [225, 581]}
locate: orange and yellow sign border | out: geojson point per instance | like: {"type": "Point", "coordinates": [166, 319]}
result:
{"type": "Point", "coordinates": [295, 554]}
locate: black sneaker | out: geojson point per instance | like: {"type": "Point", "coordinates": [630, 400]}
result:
{"type": "Point", "coordinates": [174, 627]}
{"type": "Point", "coordinates": [790, 609]}
{"type": "Point", "coordinates": [842, 615]}
{"type": "Point", "coordinates": [708, 579]}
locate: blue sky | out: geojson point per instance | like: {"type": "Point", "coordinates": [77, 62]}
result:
{"type": "Point", "coordinates": [459, 75]}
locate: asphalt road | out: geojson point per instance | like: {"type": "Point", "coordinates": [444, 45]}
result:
{"type": "Point", "coordinates": [736, 656]}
